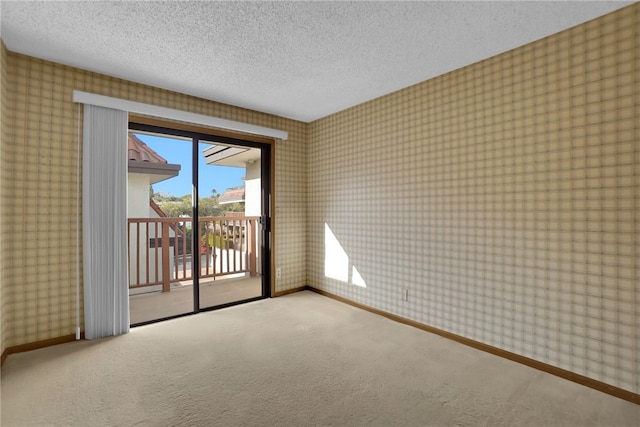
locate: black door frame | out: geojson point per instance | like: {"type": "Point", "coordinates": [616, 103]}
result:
{"type": "Point", "coordinates": [265, 218]}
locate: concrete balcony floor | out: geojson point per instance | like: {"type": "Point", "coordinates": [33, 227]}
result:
{"type": "Point", "coordinates": [157, 305]}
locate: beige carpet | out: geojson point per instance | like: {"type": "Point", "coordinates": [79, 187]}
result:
{"type": "Point", "coordinates": [298, 360]}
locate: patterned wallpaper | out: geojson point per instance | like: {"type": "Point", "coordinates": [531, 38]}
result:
{"type": "Point", "coordinates": [499, 202]}
{"type": "Point", "coordinates": [3, 138]}
{"type": "Point", "coordinates": [40, 189]}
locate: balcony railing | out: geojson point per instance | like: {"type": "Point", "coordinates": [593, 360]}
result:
{"type": "Point", "coordinates": [160, 249]}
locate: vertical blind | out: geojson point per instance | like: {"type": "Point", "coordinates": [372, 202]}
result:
{"type": "Point", "coordinates": [104, 195]}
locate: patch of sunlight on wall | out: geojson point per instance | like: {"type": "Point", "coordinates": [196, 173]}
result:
{"type": "Point", "coordinates": [356, 278]}
{"type": "Point", "coordinates": [336, 261]}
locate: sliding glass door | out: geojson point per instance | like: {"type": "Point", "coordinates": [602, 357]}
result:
{"type": "Point", "coordinates": [159, 226]}
{"type": "Point", "coordinates": [229, 211]}
{"type": "Point", "coordinates": [204, 241]}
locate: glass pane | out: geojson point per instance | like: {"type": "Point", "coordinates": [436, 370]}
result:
{"type": "Point", "coordinates": [229, 208]}
{"type": "Point", "coordinates": [160, 234]}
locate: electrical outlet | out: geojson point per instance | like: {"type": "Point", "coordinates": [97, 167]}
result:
{"type": "Point", "coordinates": [405, 294]}
{"type": "Point", "coordinates": [278, 273]}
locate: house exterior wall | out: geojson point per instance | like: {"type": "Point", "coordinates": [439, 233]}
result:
{"type": "Point", "coordinates": [503, 197]}
{"type": "Point", "coordinates": [38, 245]}
{"type": "Point", "coordinates": [138, 196]}
{"type": "Point", "coordinates": [252, 190]}
{"type": "Point", "coordinates": [253, 203]}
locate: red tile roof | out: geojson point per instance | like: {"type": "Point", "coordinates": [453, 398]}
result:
{"type": "Point", "coordinates": [140, 152]}
{"type": "Point", "coordinates": [232, 195]}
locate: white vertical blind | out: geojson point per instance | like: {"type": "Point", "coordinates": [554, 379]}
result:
{"type": "Point", "coordinates": [104, 194]}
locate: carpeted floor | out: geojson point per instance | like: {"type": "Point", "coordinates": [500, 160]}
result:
{"type": "Point", "coordinates": [298, 360]}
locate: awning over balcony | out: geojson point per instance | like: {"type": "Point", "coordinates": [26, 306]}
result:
{"type": "Point", "coordinates": [227, 155]}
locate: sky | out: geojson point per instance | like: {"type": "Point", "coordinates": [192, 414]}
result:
{"type": "Point", "coordinates": [178, 151]}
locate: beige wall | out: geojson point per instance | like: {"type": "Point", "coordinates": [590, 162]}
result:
{"type": "Point", "coordinates": [503, 196]}
{"type": "Point", "coordinates": [39, 182]}
{"type": "Point", "coordinates": [3, 138]}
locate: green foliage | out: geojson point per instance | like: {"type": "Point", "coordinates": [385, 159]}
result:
{"type": "Point", "coordinates": [234, 207]}
{"type": "Point", "coordinates": [215, 241]}
{"type": "Point", "coordinates": [208, 206]}
{"type": "Point", "coordinates": [174, 209]}
{"type": "Point", "coordinates": [174, 206]}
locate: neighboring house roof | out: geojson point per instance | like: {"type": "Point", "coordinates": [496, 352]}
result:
{"type": "Point", "coordinates": [142, 159]}
{"type": "Point", "coordinates": [232, 195]}
{"type": "Point", "coordinates": [141, 152]}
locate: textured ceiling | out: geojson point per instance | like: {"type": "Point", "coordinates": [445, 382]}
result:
{"type": "Point", "coordinates": [302, 60]}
